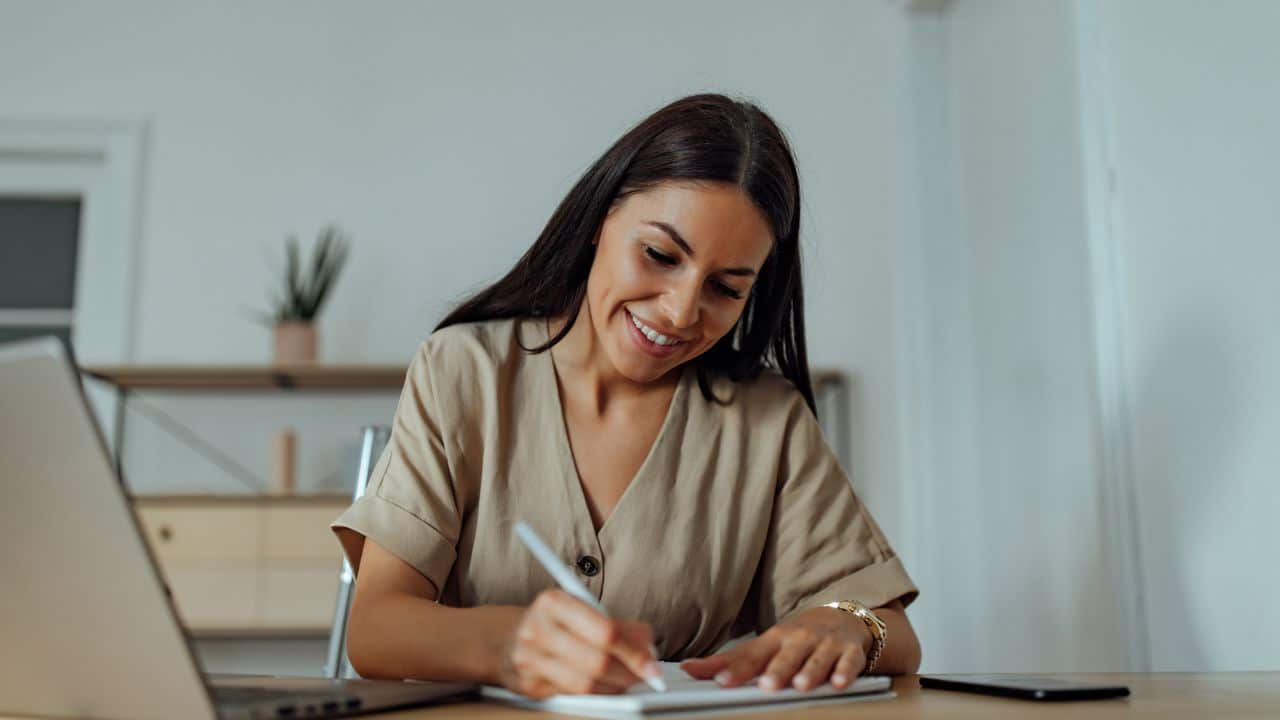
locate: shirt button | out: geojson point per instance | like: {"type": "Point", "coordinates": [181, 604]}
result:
{"type": "Point", "coordinates": [588, 565]}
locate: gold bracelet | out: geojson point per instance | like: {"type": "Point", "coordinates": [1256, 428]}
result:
{"type": "Point", "coordinates": [879, 631]}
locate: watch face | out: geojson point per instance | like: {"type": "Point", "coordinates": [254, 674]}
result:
{"type": "Point", "coordinates": [866, 614]}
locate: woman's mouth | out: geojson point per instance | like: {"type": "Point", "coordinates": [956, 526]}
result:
{"type": "Point", "coordinates": [649, 340]}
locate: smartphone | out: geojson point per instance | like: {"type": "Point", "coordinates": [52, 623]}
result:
{"type": "Point", "coordinates": [1025, 687]}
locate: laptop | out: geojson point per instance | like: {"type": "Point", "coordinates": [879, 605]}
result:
{"type": "Point", "coordinates": [87, 626]}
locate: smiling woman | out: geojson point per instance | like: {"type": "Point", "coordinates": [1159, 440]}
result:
{"type": "Point", "coordinates": [563, 395]}
{"type": "Point", "coordinates": [700, 141]}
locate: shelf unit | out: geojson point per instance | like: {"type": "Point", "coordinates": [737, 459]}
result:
{"type": "Point", "coordinates": [830, 387]}
{"type": "Point", "coordinates": [130, 379]}
{"type": "Point", "coordinates": [234, 560]}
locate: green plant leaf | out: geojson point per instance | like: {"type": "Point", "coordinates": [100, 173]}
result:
{"type": "Point", "coordinates": [317, 265]}
{"type": "Point", "coordinates": [293, 282]}
{"type": "Point", "coordinates": [307, 285]}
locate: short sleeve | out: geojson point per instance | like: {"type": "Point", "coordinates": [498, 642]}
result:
{"type": "Point", "coordinates": [822, 545]}
{"type": "Point", "coordinates": [410, 506]}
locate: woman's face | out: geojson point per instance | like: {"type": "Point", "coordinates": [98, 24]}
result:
{"type": "Point", "coordinates": [672, 272]}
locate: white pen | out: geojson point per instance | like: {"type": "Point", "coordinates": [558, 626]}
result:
{"type": "Point", "coordinates": [570, 584]}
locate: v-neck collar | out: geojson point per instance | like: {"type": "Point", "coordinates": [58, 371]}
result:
{"type": "Point", "coordinates": [564, 448]}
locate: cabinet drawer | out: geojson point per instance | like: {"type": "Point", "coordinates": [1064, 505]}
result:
{"type": "Point", "coordinates": [300, 534]}
{"type": "Point", "coordinates": [214, 598]}
{"type": "Point", "coordinates": [208, 534]}
{"type": "Point", "coordinates": [247, 566]}
{"type": "Point", "coordinates": [299, 597]}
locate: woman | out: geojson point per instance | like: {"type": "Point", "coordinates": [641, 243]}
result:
{"type": "Point", "coordinates": [637, 389]}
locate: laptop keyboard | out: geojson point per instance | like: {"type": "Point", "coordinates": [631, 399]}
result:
{"type": "Point", "coordinates": [289, 703]}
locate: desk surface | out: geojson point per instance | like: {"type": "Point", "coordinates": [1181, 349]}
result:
{"type": "Point", "coordinates": [1162, 695]}
{"type": "Point", "coordinates": [1154, 695]}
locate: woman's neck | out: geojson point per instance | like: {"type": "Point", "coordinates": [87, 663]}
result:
{"type": "Point", "coordinates": [581, 360]}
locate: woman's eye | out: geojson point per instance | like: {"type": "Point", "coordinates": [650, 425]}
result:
{"type": "Point", "coordinates": [727, 291]}
{"type": "Point", "coordinates": [666, 260]}
{"type": "Point", "coordinates": [660, 257]}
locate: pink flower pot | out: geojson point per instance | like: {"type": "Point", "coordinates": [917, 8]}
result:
{"type": "Point", "coordinates": [295, 344]}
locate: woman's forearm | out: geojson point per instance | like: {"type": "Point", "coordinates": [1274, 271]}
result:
{"type": "Point", "coordinates": [399, 636]}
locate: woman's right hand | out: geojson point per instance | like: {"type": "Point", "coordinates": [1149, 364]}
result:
{"type": "Point", "coordinates": [564, 646]}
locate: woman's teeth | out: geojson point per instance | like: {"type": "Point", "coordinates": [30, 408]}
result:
{"type": "Point", "coordinates": [653, 335]}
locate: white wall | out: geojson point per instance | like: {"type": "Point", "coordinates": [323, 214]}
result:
{"type": "Point", "coordinates": [1193, 96]}
{"type": "Point", "coordinates": [442, 135]}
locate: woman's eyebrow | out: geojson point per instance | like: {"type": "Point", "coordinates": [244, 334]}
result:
{"type": "Point", "coordinates": [677, 239]}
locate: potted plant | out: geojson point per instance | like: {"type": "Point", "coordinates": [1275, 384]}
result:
{"type": "Point", "coordinates": [305, 290]}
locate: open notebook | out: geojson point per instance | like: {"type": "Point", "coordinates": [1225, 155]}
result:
{"type": "Point", "coordinates": [686, 695]}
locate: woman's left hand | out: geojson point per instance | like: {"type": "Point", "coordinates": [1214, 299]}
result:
{"type": "Point", "coordinates": [805, 651]}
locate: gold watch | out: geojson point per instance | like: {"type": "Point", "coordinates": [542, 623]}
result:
{"type": "Point", "coordinates": [879, 631]}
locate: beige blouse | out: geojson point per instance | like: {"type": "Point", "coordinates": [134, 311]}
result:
{"type": "Point", "coordinates": [738, 517]}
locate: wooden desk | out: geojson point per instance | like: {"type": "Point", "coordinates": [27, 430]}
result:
{"type": "Point", "coordinates": [1154, 695]}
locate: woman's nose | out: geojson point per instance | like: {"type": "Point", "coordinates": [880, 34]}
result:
{"type": "Point", "coordinates": [682, 306]}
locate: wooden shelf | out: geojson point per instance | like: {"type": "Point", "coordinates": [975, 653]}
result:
{"type": "Point", "coordinates": [282, 377]}
{"type": "Point", "coordinates": [252, 632]}
{"type": "Point", "coordinates": [820, 376]}
{"type": "Point", "coordinates": [223, 499]}
{"type": "Point", "coordinates": [250, 377]}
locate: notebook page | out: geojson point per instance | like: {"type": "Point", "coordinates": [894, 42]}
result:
{"type": "Point", "coordinates": [684, 693]}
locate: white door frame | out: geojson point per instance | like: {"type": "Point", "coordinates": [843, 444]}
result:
{"type": "Point", "coordinates": [922, 397]}
{"type": "Point", "coordinates": [1111, 336]}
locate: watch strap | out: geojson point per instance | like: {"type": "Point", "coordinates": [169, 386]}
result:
{"type": "Point", "coordinates": [879, 631]}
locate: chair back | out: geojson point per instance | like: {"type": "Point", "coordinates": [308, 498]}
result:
{"type": "Point", "coordinates": [373, 438]}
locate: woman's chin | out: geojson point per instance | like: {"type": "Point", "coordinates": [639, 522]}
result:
{"type": "Point", "coordinates": [645, 375]}
{"type": "Point", "coordinates": [642, 369]}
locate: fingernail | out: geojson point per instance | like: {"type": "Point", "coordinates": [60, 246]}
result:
{"type": "Point", "coordinates": [801, 681]}
{"type": "Point", "coordinates": [652, 670]}
{"type": "Point", "coordinates": [839, 679]}
{"type": "Point", "coordinates": [723, 677]}
{"type": "Point", "coordinates": [769, 682]}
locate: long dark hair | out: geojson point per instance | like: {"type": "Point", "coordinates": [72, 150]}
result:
{"type": "Point", "coordinates": [698, 138]}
